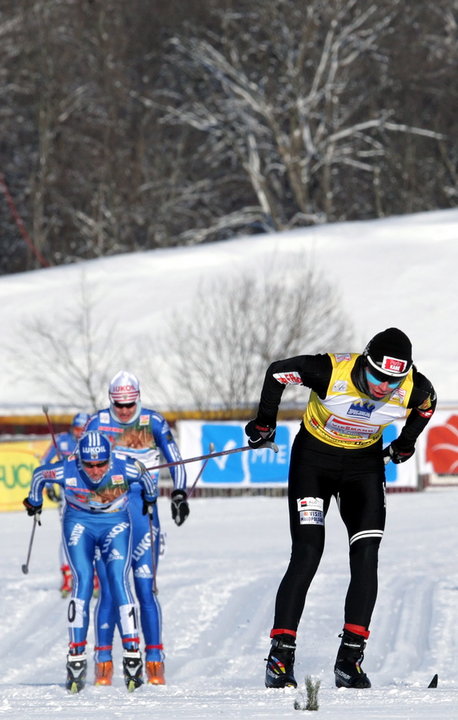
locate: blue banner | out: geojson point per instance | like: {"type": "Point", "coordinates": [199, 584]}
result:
{"type": "Point", "coordinates": [259, 467]}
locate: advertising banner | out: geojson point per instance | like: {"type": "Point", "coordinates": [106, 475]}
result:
{"type": "Point", "coordinates": [18, 459]}
{"type": "Point", "coordinates": [437, 446]}
{"type": "Point", "coordinates": [259, 468]}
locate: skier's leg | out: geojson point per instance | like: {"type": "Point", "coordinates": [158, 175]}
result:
{"type": "Point", "coordinates": [80, 559]}
{"type": "Point", "coordinates": [79, 543]}
{"type": "Point", "coordinates": [309, 493]}
{"type": "Point", "coordinates": [362, 507]}
{"type": "Point", "coordinates": [116, 550]}
{"type": "Point", "coordinates": [144, 569]}
{"type": "Point", "coordinates": [66, 582]}
{"type": "Point", "coordinates": [104, 624]}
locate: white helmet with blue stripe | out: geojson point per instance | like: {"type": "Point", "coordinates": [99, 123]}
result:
{"type": "Point", "coordinates": [124, 391]}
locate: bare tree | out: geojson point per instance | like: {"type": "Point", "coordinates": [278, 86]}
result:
{"type": "Point", "coordinates": [216, 356]}
{"type": "Point", "coordinates": [263, 115]}
{"type": "Point", "coordinates": [73, 351]}
{"type": "Point", "coordinates": [289, 97]}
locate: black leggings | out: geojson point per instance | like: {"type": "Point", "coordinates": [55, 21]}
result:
{"type": "Point", "coordinates": [357, 479]}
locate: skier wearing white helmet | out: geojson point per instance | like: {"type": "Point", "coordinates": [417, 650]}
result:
{"type": "Point", "coordinates": [142, 433]}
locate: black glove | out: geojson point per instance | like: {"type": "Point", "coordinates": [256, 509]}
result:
{"type": "Point", "coordinates": [180, 506]}
{"type": "Point", "coordinates": [397, 455]}
{"type": "Point", "coordinates": [148, 506]}
{"type": "Point", "coordinates": [53, 495]}
{"type": "Point", "coordinates": [259, 433]}
{"type": "Point", "coordinates": [31, 509]}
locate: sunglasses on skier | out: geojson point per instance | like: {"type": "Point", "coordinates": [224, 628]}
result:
{"type": "Point", "coordinates": [378, 379]}
{"type": "Point", "coordinates": [124, 405]}
{"type": "Point", "coordinates": [95, 464]}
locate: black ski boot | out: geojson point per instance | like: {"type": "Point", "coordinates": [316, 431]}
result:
{"type": "Point", "coordinates": [76, 673]}
{"type": "Point", "coordinates": [133, 669]}
{"type": "Point", "coordinates": [348, 672]}
{"type": "Point", "coordinates": [280, 663]}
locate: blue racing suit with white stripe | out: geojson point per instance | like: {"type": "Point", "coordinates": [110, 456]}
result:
{"type": "Point", "coordinates": [96, 516]}
{"type": "Point", "coordinates": [145, 437]}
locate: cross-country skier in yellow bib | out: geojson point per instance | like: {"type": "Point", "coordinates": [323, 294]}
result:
{"type": "Point", "coordinates": [338, 452]}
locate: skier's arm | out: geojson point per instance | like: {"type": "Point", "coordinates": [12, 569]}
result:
{"type": "Point", "coordinates": [49, 473]}
{"type": "Point", "coordinates": [93, 423]}
{"type": "Point", "coordinates": [312, 371]}
{"type": "Point", "coordinates": [167, 445]}
{"type": "Point", "coordinates": [422, 402]}
{"type": "Point", "coordinates": [179, 498]}
{"type": "Point", "coordinates": [137, 472]}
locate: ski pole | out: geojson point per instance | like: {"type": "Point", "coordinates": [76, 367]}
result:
{"type": "Point", "coordinates": [25, 567]}
{"type": "Point", "coordinates": [153, 551]}
{"type": "Point", "coordinates": [211, 447]}
{"type": "Point", "coordinates": [209, 456]}
{"type": "Point", "coordinates": [51, 430]}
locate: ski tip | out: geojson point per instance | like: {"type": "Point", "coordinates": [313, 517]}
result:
{"type": "Point", "coordinates": [73, 688]}
{"type": "Point", "coordinates": [434, 681]}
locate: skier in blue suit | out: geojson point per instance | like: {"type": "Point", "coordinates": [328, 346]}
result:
{"type": "Point", "coordinates": [63, 445]}
{"type": "Point", "coordinates": [95, 482]}
{"type": "Point", "coordinates": [66, 441]}
{"type": "Point", "coordinates": [144, 434]}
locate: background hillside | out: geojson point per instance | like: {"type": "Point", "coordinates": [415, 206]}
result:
{"type": "Point", "coordinates": [397, 271]}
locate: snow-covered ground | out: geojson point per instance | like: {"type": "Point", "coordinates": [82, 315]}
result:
{"type": "Point", "coordinates": [217, 584]}
{"type": "Point", "coordinates": [397, 271]}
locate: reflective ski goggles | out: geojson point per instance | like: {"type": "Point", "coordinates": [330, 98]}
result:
{"type": "Point", "coordinates": [92, 465]}
{"type": "Point", "coordinates": [382, 379]}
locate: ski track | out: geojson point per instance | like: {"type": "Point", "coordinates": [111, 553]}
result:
{"type": "Point", "coordinates": [403, 638]}
{"type": "Point", "coordinates": [217, 592]}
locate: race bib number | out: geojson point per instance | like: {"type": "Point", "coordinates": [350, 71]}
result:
{"type": "Point", "coordinates": [128, 617]}
{"type": "Point", "coordinates": [310, 511]}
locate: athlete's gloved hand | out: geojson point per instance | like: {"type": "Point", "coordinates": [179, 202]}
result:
{"type": "Point", "coordinates": [32, 509]}
{"type": "Point", "coordinates": [259, 433]}
{"type": "Point", "coordinates": [396, 453]}
{"type": "Point", "coordinates": [52, 494]}
{"type": "Point", "coordinates": [180, 506]}
{"type": "Point", "coordinates": [148, 505]}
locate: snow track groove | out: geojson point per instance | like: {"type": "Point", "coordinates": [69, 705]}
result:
{"type": "Point", "coordinates": [217, 586]}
